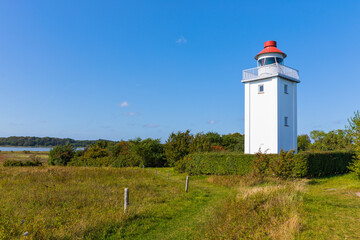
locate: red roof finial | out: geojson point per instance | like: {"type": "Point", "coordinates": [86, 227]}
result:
{"type": "Point", "coordinates": [270, 44]}
{"type": "Point", "coordinates": [270, 47]}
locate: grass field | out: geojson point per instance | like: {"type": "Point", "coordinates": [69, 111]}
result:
{"type": "Point", "coordinates": [87, 203]}
{"type": "Point", "coordinates": [24, 156]}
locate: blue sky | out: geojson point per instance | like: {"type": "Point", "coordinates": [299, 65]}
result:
{"type": "Point", "coordinates": [125, 69]}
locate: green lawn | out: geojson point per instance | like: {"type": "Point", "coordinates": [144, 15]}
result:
{"type": "Point", "coordinates": [332, 208]}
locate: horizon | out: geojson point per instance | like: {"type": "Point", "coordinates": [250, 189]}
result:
{"type": "Point", "coordinates": [121, 70]}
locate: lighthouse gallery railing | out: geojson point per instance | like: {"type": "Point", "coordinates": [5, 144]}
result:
{"type": "Point", "coordinates": [270, 70]}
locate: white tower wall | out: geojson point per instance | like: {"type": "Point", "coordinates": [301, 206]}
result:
{"type": "Point", "coordinates": [260, 116]}
{"type": "Point", "coordinates": [287, 107]}
{"type": "Point", "coordinates": [265, 114]}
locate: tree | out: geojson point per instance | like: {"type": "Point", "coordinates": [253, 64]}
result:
{"type": "Point", "coordinates": [150, 151]}
{"type": "Point", "coordinates": [61, 155]}
{"type": "Point", "coordinates": [200, 143]}
{"type": "Point", "coordinates": [177, 146]}
{"type": "Point", "coordinates": [214, 138]}
{"type": "Point", "coordinates": [333, 140]}
{"type": "Point", "coordinates": [317, 137]}
{"type": "Point", "coordinates": [353, 130]}
{"type": "Point", "coordinates": [303, 142]}
{"type": "Point", "coordinates": [233, 142]}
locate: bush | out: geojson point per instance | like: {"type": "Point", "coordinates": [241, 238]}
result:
{"type": "Point", "coordinates": [28, 163]}
{"type": "Point", "coordinates": [61, 155]}
{"type": "Point", "coordinates": [130, 160]}
{"type": "Point", "coordinates": [261, 163]}
{"type": "Point", "coordinates": [91, 162]}
{"type": "Point", "coordinates": [218, 163]}
{"type": "Point", "coordinates": [287, 165]}
{"type": "Point", "coordinates": [32, 163]}
{"type": "Point", "coordinates": [12, 163]}
{"type": "Point", "coordinates": [355, 167]}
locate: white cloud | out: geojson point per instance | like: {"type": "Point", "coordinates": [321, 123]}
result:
{"type": "Point", "coordinates": [130, 113]}
{"type": "Point", "coordinates": [124, 104]}
{"type": "Point", "coordinates": [181, 40]}
{"type": "Point", "coordinates": [151, 125]}
{"type": "Point", "coordinates": [340, 121]}
{"type": "Point", "coordinates": [211, 122]}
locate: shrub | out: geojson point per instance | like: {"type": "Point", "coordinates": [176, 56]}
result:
{"type": "Point", "coordinates": [261, 163]}
{"type": "Point", "coordinates": [12, 163]}
{"type": "Point", "coordinates": [91, 162]}
{"type": "Point", "coordinates": [61, 155]}
{"type": "Point", "coordinates": [32, 163]}
{"type": "Point", "coordinates": [218, 163]}
{"type": "Point", "coordinates": [286, 165]}
{"type": "Point", "coordinates": [355, 167]}
{"type": "Point", "coordinates": [129, 160]}
{"type": "Point", "coordinates": [28, 163]}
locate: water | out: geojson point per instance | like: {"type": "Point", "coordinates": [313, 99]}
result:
{"type": "Point", "coordinates": [20, 149]}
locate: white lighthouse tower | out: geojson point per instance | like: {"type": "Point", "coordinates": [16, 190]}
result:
{"type": "Point", "coordinates": [270, 103]}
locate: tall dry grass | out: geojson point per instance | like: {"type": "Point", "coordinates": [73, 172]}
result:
{"type": "Point", "coordinates": [75, 202]}
{"type": "Point", "coordinates": [262, 209]}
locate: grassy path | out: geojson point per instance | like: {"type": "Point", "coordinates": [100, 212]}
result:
{"type": "Point", "coordinates": [332, 208]}
{"type": "Point", "coordinates": [178, 218]}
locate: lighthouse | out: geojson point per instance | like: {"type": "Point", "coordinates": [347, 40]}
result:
{"type": "Point", "coordinates": [270, 103]}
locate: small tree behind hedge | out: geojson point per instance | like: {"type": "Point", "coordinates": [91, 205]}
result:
{"type": "Point", "coordinates": [177, 146]}
{"type": "Point", "coordinates": [61, 155]}
{"type": "Point", "coordinates": [354, 131]}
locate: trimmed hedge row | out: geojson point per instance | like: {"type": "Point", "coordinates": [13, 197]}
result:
{"type": "Point", "coordinates": [218, 163]}
{"type": "Point", "coordinates": [285, 164]}
{"type": "Point", "coordinates": [321, 164]}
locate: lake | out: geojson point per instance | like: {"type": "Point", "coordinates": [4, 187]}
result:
{"type": "Point", "coordinates": [19, 149]}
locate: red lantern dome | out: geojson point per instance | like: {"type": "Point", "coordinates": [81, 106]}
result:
{"type": "Point", "coordinates": [270, 47]}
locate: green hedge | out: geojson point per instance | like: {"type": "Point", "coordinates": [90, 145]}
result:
{"type": "Point", "coordinates": [321, 164]}
{"type": "Point", "coordinates": [216, 163]}
{"type": "Point", "coordinates": [284, 165]}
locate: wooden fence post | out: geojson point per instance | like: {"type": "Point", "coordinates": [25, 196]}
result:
{"type": "Point", "coordinates": [126, 199]}
{"type": "Point", "coordinates": [187, 184]}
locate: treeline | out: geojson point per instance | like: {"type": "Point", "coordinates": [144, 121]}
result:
{"type": "Point", "coordinates": [322, 141]}
{"type": "Point", "coordinates": [43, 142]}
{"type": "Point", "coordinates": [146, 152]}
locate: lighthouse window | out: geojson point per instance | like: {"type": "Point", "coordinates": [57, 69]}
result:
{"type": "Point", "coordinates": [280, 61]}
{"type": "Point", "coordinates": [261, 88]}
{"type": "Point", "coordinates": [270, 60]}
{"type": "Point", "coordinates": [286, 88]}
{"type": "Point", "coordinates": [286, 119]}
{"type": "Point", "coordinates": [261, 62]}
